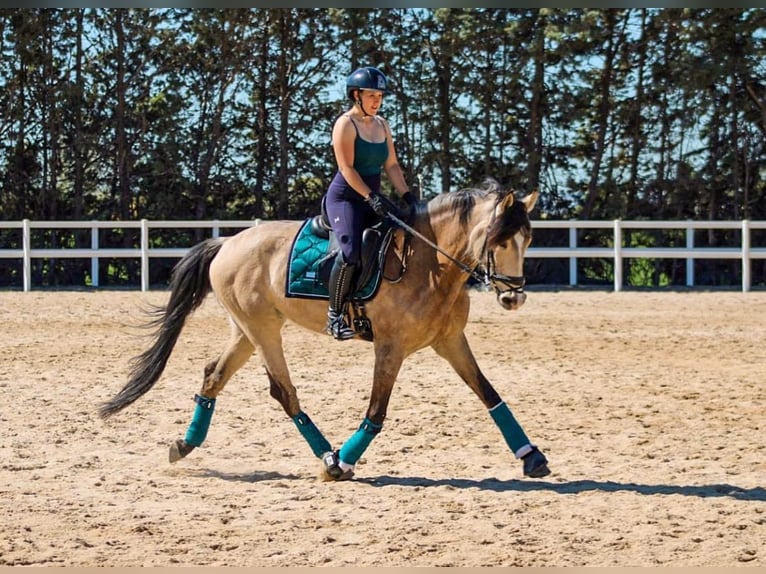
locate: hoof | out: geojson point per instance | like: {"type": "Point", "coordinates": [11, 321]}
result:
{"type": "Point", "coordinates": [535, 464]}
{"type": "Point", "coordinates": [331, 471]}
{"type": "Point", "coordinates": [179, 449]}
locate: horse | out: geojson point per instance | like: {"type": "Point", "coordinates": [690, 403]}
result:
{"type": "Point", "coordinates": [481, 233]}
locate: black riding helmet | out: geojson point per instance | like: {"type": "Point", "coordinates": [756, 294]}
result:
{"type": "Point", "coordinates": [367, 78]}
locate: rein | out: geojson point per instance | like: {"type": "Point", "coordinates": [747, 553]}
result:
{"type": "Point", "coordinates": [486, 276]}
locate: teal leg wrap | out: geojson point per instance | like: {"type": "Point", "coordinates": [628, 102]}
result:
{"type": "Point", "coordinates": [203, 412]}
{"type": "Point", "coordinates": [512, 432]}
{"type": "Point", "coordinates": [354, 447]}
{"type": "Point", "coordinates": [312, 434]}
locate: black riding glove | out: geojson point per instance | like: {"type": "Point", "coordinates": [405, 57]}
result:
{"type": "Point", "coordinates": [379, 204]}
{"type": "Point", "coordinates": [410, 199]}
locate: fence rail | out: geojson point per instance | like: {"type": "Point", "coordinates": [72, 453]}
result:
{"type": "Point", "coordinates": [144, 252]}
{"type": "Point", "coordinates": [746, 253]}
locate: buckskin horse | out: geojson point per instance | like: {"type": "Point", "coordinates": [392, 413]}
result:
{"type": "Point", "coordinates": [480, 232]}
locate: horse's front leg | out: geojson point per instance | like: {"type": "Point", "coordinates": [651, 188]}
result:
{"type": "Point", "coordinates": [457, 352]}
{"type": "Point", "coordinates": [339, 465]}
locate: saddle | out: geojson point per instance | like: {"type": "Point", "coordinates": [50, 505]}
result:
{"type": "Point", "coordinates": [312, 255]}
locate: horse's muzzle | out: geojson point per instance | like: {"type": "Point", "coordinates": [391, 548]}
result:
{"type": "Point", "coordinates": [511, 300]}
{"type": "Point", "coordinates": [509, 290]}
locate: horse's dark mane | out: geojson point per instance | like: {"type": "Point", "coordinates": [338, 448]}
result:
{"type": "Point", "coordinates": [463, 201]}
{"type": "Point", "coordinates": [513, 220]}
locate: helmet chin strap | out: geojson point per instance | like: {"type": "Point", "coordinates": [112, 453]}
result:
{"type": "Point", "coordinates": [361, 105]}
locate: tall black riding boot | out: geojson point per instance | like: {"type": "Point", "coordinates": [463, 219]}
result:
{"type": "Point", "coordinates": [340, 285]}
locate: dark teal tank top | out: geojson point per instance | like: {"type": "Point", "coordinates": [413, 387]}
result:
{"type": "Point", "coordinates": [369, 157]}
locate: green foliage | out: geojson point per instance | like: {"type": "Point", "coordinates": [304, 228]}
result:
{"type": "Point", "coordinates": [646, 272]}
{"type": "Point", "coordinates": [181, 113]}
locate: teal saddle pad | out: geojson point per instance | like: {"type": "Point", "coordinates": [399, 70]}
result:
{"type": "Point", "coordinates": [308, 251]}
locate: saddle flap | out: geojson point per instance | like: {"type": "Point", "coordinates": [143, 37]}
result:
{"type": "Point", "coordinates": [371, 243]}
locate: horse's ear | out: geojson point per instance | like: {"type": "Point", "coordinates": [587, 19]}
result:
{"type": "Point", "coordinates": [506, 202]}
{"type": "Point", "coordinates": [530, 200]}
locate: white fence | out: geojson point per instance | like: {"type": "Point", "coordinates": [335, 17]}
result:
{"type": "Point", "coordinates": [745, 253]}
{"type": "Point", "coordinates": [28, 252]}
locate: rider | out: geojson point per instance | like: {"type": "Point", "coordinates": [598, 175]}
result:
{"type": "Point", "coordinates": [363, 147]}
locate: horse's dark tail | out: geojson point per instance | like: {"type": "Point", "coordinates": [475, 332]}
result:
{"type": "Point", "coordinates": [189, 285]}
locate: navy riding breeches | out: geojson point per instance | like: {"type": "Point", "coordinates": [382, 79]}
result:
{"type": "Point", "coordinates": [349, 215]}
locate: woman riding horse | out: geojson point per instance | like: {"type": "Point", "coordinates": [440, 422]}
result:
{"type": "Point", "coordinates": [363, 147]}
{"type": "Point", "coordinates": [481, 233]}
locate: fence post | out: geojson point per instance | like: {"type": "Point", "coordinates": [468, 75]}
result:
{"type": "Point", "coordinates": [690, 260]}
{"type": "Point", "coordinates": [26, 245]}
{"type": "Point", "coordinates": [746, 279]}
{"type": "Point", "coordinates": [144, 255]}
{"type": "Point", "coordinates": [94, 259]}
{"type": "Point", "coordinates": [617, 255]}
{"type": "Point", "coordinates": [573, 260]}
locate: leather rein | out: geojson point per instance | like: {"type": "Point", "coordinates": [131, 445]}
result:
{"type": "Point", "coordinates": [486, 275]}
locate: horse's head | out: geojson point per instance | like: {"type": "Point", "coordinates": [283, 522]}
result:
{"type": "Point", "coordinates": [509, 233]}
{"type": "Point", "coordinates": [495, 232]}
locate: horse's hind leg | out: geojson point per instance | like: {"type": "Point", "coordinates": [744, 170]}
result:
{"type": "Point", "coordinates": [217, 373]}
{"type": "Point", "coordinates": [458, 353]}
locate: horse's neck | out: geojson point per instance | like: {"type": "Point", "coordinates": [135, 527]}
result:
{"type": "Point", "coordinates": [463, 242]}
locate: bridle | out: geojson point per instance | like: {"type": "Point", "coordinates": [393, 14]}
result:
{"type": "Point", "coordinates": [484, 274]}
{"type": "Point", "coordinates": [513, 283]}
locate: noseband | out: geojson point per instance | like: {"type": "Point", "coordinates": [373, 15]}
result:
{"type": "Point", "coordinates": [512, 283]}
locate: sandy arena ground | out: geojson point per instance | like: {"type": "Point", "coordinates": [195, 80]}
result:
{"type": "Point", "coordinates": [651, 408]}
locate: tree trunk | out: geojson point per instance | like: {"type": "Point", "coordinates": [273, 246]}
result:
{"type": "Point", "coordinates": [122, 160]}
{"type": "Point", "coordinates": [602, 115]}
